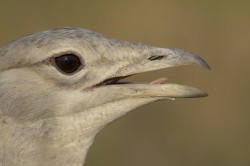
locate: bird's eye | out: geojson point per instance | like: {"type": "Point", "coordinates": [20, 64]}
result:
{"type": "Point", "coordinates": [68, 63]}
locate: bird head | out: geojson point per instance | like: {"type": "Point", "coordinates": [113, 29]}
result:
{"type": "Point", "coordinates": [71, 79]}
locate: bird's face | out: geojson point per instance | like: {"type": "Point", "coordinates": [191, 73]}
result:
{"type": "Point", "coordinates": [59, 88]}
{"type": "Point", "coordinates": [65, 72]}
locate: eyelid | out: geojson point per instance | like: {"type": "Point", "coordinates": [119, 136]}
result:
{"type": "Point", "coordinates": [51, 61]}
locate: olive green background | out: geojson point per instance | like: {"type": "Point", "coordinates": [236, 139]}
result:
{"type": "Point", "coordinates": [211, 131]}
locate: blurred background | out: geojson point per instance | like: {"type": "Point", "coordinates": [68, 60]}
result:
{"type": "Point", "coordinates": [187, 132]}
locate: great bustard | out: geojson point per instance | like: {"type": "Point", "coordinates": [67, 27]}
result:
{"type": "Point", "coordinates": [60, 87]}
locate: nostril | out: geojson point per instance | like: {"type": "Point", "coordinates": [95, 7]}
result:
{"type": "Point", "coordinates": [156, 57]}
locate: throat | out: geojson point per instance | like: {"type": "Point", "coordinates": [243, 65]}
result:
{"type": "Point", "coordinates": [45, 143]}
{"type": "Point", "coordinates": [70, 143]}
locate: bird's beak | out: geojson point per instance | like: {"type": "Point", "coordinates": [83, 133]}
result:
{"type": "Point", "coordinates": [159, 58]}
{"type": "Point", "coordinates": [152, 58]}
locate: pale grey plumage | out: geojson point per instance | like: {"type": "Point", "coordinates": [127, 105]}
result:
{"type": "Point", "coordinates": [49, 117]}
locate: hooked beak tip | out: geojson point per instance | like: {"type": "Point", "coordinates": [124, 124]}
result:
{"type": "Point", "coordinates": [188, 58]}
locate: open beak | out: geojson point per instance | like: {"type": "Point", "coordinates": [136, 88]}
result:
{"type": "Point", "coordinates": [154, 59]}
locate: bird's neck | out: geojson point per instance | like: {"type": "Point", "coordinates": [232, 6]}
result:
{"type": "Point", "coordinates": [45, 143]}
{"type": "Point", "coordinates": [60, 140]}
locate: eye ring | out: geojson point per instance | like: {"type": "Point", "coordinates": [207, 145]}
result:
{"type": "Point", "coordinates": [68, 63]}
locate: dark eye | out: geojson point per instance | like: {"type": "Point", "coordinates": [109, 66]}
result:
{"type": "Point", "coordinates": [68, 63]}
